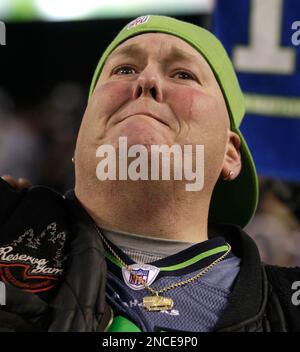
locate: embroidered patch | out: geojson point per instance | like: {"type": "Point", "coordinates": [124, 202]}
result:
{"type": "Point", "coordinates": [138, 21]}
{"type": "Point", "coordinates": [33, 262]}
{"type": "Point", "coordinates": [18, 276]}
{"type": "Point", "coordinates": [146, 272]}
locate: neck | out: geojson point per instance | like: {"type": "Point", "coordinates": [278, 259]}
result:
{"type": "Point", "coordinates": [160, 209]}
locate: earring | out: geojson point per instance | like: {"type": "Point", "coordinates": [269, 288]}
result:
{"type": "Point", "coordinates": [73, 159]}
{"type": "Point", "coordinates": [229, 175]}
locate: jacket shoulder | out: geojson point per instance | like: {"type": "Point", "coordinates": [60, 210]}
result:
{"type": "Point", "coordinates": [282, 274]}
{"type": "Point", "coordinates": [285, 284]}
{"type": "Point", "coordinates": [11, 198]}
{"type": "Point", "coordinates": [34, 206]}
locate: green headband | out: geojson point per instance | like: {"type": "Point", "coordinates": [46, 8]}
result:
{"type": "Point", "coordinates": [235, 201]}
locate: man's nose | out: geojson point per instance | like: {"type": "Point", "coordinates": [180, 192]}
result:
{"type": "Point", "coordinates": [148, 84]}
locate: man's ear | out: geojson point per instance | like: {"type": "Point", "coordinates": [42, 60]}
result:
{"type": "Point", "coordinates": [232, 161]}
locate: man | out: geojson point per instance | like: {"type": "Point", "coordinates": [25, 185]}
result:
{"type": "Point", "coordinates": [169, 258]}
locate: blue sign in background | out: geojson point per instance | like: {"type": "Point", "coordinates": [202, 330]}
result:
{"type": "Point", "coordinates": [272, 131]}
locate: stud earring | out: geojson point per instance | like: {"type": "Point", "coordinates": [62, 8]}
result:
{"type": "Point", "coordinates": [229, 175]}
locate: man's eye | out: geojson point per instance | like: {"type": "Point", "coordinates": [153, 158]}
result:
{"type": "Point", "coordinates": [124, 70]}
{"type": "Point", "coordinates": [184, 75]}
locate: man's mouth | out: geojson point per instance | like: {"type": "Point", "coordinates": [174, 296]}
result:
{"type": "Point", "coordinates": [155, 117]}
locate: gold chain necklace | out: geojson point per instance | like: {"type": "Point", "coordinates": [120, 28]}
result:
{"type": "Point", "coordinates": [156, 302]}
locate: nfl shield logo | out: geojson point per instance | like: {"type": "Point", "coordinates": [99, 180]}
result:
{"type": "Point", "coordinates": [147, 273]}
{"type": "Point", "coordinates": [138, 21]}
{"type": "Point", "coordinates": [143, 274]}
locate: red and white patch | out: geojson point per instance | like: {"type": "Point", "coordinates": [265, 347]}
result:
{"type": "Point", "coordinates": [138, 21]}
{"type": "Point", "coordinates": [33, 261]}
{"type": "Point", "coordinates": [27, 272]}
{"type": "Point", "coordinates": [18, 275]}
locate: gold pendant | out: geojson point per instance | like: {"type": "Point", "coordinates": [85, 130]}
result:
{"type": "Point", "coordinates": [155, 303]}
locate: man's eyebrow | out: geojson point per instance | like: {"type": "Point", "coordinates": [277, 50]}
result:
{"type": "Point", "coordinates": [132, 50]}
{"type": "Point", "coordinates": [174, 54]}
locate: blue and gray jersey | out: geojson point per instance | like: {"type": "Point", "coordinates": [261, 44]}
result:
{"type": "Point", "coordinates": [197, 305]}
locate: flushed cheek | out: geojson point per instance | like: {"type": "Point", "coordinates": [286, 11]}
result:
{"type": "Point", "coordinates": [109, 98]}
{"type": "Point", "coordinates": [106, 99]}
{"type": "Point", "coordinates": [197, 111]}
{"type": "Point", "coordinates": [182, 100]}
{"type": "Point", "coordinates": [209, 127]}
{"type": "Point", "coordinates": [193, 106]}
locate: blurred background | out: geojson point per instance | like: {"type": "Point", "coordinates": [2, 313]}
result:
{"type": "Point", "coordinates": [50, 48]}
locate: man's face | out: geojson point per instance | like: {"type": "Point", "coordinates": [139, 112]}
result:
{"type": "Point", "coordinates": [156, 89]}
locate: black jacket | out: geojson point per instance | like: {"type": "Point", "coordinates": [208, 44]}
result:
{"type": "Point", "coordinates": [65, 291]}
